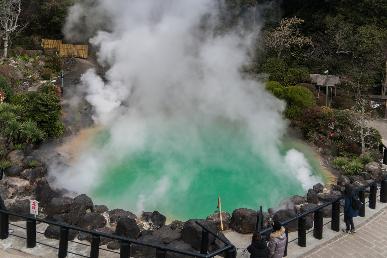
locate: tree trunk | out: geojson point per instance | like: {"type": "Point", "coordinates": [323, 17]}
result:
{"type": "Point", "coordinates": [6, 42]}
{"type": "Point", "coordinates": [362, 137]}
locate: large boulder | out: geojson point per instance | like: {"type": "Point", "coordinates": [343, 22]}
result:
{"type": "Point", "coordinates": [44, 193]}
{"type": "Point", "coordinates": [59, 205]}
{"type": "Point", "coordinates": [167, 234]}
{"type": "Point", "coordinates": [312, 196]}
{"type": "Point", "coordinates": [309, 219]}
{"type": "Point", "coordinates": [92, 220]}
{"type": "Point", "coordinates": [145, 251]}
{"type": "Point", "coordinates": [283, 215]}
{"type": "Point", "coordinates": [243, 220]}
{"type": "Point", "coordinates": [127, 227]}
{"type": "Point", "coordinates": [103, 240]}
{"type": "Point", "coordinates": [374, 169]}
{"type": "Point", "coordinates": [53, 232]}
{"type": "Point", "coordinates": [329, 196]}
{"type": "Point", "coordinates": [156, 218]}
{"type": "Point", "coordinates": [226, 219]}
{"type": "Point", "coordinates": [12, 187]}
{"type": "Point", "coordinates": [16, 157]}
{"type": "Point", "coordinates": [19, 206]}
{"type": "Point", "coordinates": [318, 188]}
{"type": "Point", "coordinates": [343, 180]}
{"type": "Point", "coordinates": [101, 208]}
{"type": "Point", "coordinates": [116, 214]}
{"type": "Point", "coordinates": [179, 245]}
{"type": "Point", "coordinates": [13, 171]}
{"type": "Point", "coordinates": [33, 174]}
{"type": "Point", "coordinates": [192, 232]}
{"type": "Point", "coordinates": [84, 203]}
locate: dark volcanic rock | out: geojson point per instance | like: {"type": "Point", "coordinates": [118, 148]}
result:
{"type": "Point", "coordinates": [167, 235]}
{"type": "Point", "coordinates": [374, 169]}
{"type": "Point", "coordinates": [179, 245]}
{"type": "Point", "coordinates": [156, 218]}
{"type": "Point", "coordinates": [243, 220]}
{"type": "Point", "coordinates": [312, 196]}
{"type": "Point", "coordinates": [13, 171]}
{"type": "Point", "coordinates": [44, 193]}
{"type": "Point", "coordinates": [53, 232]}
{"type": "Point", "coordinates": [226, 219]}
{"type": "Point", "coordinates": [144, 251]}
{"type": "Point", "coordinates": [114, 245]}
{"type": "Point", "coordinates": [297, 200]}
{"type": "Point", "coordinates": [127, 227]}
{"type": "Point", "coordinates": [318, 188]}
{"type": "Point", "coordinates": [116, 214]}
{"type": "Point", "coordinates": [329, 196]}
{"type": "Point", "coordinates": [21, 207]}
{"type": "Point", "coordinates": [100, 208]}
{"type": "Point", "coordinates": [92, 221]}
{"type": "Point", "coordinates": [104, 240]}
{"type": "Point", "coordinates": [83, 203]}
{"type": "Point", "coordinates": [33, 174]}
{"type": "Point", "coordinates": [16, 157]}
{"type": "Point", "coordinates": [176, 224]}
{"type": "Point", "coordinates": [59, 205]}
{"type": "Point", "coordinates": [343, 180]}
{"type": "Point", "coordinates": [283, 215]}
{"type": "Point", "coordinates": [192, 232]}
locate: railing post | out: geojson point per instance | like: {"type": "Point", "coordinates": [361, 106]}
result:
{"type": "Point", "coordinates": [335, 222]}
{"type": "Point", "coordinates": [372, 196]}
{"type": "Point", "coordinates": [232, 253]}
{"type": "Point", "coordinates": [318, 224]}
{"type": "Point", "coordinates": [94, 249]}
{"type": "Point", "coordinates": [4, 226]}
{"type": "Point", "coordinates": [160, 253]}
{"type": "Point", "coordinates": [362, 199]}
{"type": "Point", "coordinates": [287, 242]}
{"type": "Point", "coordinates": [385, 156]}
{"type": "Point", "coordinates": [383, 188]}
{"type": "Point", "coordinates": [205, 240]}
{"type": "Point", "coordinates": [31, 233]}
{"type": "Point", "coordinates": [125, 249]}
{"type": "Point", "coordinates": [302, 232]}
{"type": "Point", "coordinates": [63, 242]}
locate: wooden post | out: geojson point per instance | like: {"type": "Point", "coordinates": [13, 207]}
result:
{"type": "Point", "coordinates": [302, 232]}
{"type": "Point", "coordinates": [318, 224]}
{"type": "Point", "coordinates": [31, 233]}
{"type": "Point", "coordinates": [372, 196]}
{"type": "Point", "coordinates": [335, 223]}
{"type": "Point", "coordinates": [63, 242]}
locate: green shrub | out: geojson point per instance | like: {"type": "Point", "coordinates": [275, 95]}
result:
{"type": "Point", "coordinates": [42, 108]}
{"type": "Point", "coordinates": [349, 166]}
{"type": "Point", "coordinates": [276, 89]}
{"type": "Point", "coordinates": [276, 68]}
{"type": "Point", "coordinates": [6, 89]}
{"type": "Point", "coordinates": [4, 164]}
{"type": "Point", "coordinates": [298, 99]}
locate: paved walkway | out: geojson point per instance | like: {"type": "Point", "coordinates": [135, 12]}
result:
{"type": "Point", "coordinates": [369, 241]}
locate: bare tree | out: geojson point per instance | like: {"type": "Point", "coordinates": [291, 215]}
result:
{"type": "Point", "coordinates": [9, 18]}
{"type": "Point", "coordinates": [286, 36]}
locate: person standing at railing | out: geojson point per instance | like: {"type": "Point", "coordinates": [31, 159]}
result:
{"type": "Point", "coordinates": [351, 208]}
{"type": "Point", "coordinates": [278, 240]}
{"type": "Point", "coordinates": [258, 247]}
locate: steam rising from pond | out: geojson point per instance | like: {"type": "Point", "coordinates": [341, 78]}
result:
{"type": "Point", "coordinates": [171, 74]}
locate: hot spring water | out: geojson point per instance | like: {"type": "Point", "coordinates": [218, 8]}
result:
{"type": "Point", "coordinates": [180, 173]}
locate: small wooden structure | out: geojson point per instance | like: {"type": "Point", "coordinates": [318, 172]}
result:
{"type": "Point", "coordinates": [329, 82]}
{"type": "Point", "coordinates": [66, 50]}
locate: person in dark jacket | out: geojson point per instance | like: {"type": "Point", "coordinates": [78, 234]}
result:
{"type": "Point", "coordinates": [258, 247]}
{"type": "Point", "coordinates": [349, 211]}
{"type": "Point", "coordinates": [278, 241]}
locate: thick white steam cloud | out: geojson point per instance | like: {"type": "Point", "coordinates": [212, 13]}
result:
{"type": "Point", "coordinates": [167, 66]}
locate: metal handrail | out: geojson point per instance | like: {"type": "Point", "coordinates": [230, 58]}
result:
{"type": "Point", "coordinates": [228, 246]}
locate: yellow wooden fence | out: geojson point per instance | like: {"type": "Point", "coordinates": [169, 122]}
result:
{"type": "Point", "coordinates": [66, 50]}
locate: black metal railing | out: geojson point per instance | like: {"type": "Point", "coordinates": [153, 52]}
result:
{"type": "Point", "coordinates": [228, 250]}
{"type": "Point", "coordinates": [317, 212]}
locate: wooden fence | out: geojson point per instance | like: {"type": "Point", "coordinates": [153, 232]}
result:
{"type": "Point", "coordinates": [66, 50]}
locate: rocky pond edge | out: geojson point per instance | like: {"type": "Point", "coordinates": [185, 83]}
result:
{"type": "Point", "coordinates": [26, 179]}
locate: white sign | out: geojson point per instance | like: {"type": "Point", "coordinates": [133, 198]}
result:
{"type": "Point", "coordinates": [34, 207]}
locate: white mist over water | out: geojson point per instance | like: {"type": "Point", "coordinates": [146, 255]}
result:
{"type": "Point", "coordinates": [169, 69]}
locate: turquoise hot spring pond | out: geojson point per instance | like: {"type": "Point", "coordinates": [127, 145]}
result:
{"type": "Point", "coordinates": [181, 176]}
